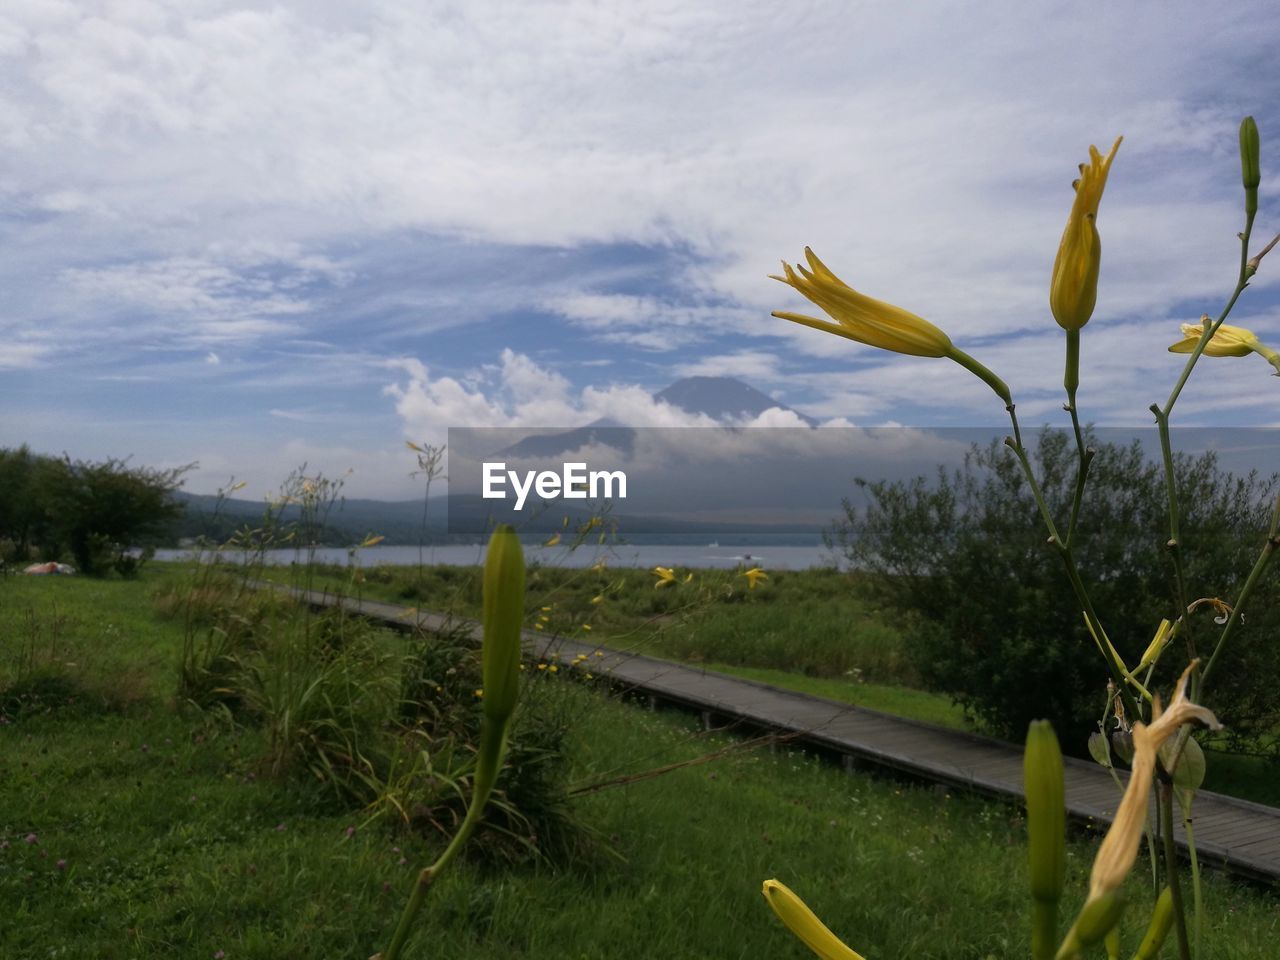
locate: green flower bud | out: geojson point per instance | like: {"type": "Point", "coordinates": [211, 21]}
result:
{"type": "Point", "coordinates": [1046, 834]}
{"type": "Point", "coordinates": [1046, 811]}
{"type": "Point", "coordinates": [503, 622]}
{"type": "Point", "coordinates": [1098, 916]}
{"type": "Point", "coordinates": [1250, 154]}
{"type": "Point", "coordinates": [1161, 921]}
{"type": "Point", "coordinates": [1250, 163]}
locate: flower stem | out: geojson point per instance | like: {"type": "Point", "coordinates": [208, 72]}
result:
{"type": "Point", "coordinates": [1264, 558]}
{"type": "Point", "coordinates": [1171, 867]}
{"type": "Point", "coordinates": [1068, 560]}
{"type": "Point", "coordinates": [1196, 892]}
{"type": "Point", "coordinates": [1044, 929]}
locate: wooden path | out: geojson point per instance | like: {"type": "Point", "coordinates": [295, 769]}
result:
{"type": "Point", "coordinates": [1234, 835]}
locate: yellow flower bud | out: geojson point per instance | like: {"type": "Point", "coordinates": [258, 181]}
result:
{"type": "Point", "coordinates": [1073, 290]}
{"type": "Point", "coordinates": [802, 921]}
{"type": "Point", "coordinates": [1164, 633]}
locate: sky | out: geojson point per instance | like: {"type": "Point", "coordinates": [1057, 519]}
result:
{"type": "Point", "coordinates": [253, 235]}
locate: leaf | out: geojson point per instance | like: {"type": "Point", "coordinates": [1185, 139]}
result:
{"type": "Point", "coordinates": [1189, 775]}
{"type": "Point", "coordinates": [1098, 748]}
{"type": "Point", "coordinates": [1122, 744]}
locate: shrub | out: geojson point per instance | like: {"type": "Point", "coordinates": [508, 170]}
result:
{"type": "Point", "coordinates": [992, 625]}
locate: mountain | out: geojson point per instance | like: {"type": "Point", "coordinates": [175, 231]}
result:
{"type": "Point", "coordinates": [603, 432]}
{"type": "Point", "coordinates": [400, 522]}
{"type": "Point", "coordinates": [722, 398]}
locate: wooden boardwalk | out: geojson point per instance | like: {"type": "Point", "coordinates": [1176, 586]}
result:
{"type": "Point", "coordinates": [1234, 835]}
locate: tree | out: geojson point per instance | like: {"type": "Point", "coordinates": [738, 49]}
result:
{"type": "Point", "coordinates": [994, 622]}
{"type": "Point", "coordinates": [93, 513]}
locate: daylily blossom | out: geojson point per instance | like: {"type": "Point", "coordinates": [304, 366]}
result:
{"type": "Point", "coordinates": [665, 576]}
{"type": "Point", "coordinates": [859, 317]}
{"type": "Point", "coordinates": [874, 322]}
{"type": "Point", "coordinates": [1227, 341]}
{"type": "Point", "coordinates": [802, 921]}
{"type": "Point", "coordinates": [754, 576]}
{"type": "Point", "coordinates": [1073, 290]}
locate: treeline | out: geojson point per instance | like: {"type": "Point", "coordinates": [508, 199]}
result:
{"type": "Point", "coordinates": [91, 515]}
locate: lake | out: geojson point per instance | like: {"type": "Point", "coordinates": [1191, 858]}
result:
{"type": "Point", "coordinates": [644, 556]}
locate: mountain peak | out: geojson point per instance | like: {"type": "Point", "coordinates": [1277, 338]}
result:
{"type": "Point", "coordinates": [721, 398]}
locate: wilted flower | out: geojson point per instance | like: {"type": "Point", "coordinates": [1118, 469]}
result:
{"type": "Point", "coordinates": [1120, 846]}
{"type": "Point", "coordinates": [1227, 341]}
{"type": "Point", "coordinates": [1073, 291]}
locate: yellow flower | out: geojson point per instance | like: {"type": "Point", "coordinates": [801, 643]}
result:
{"type": "Point", "coordinates": [598, 598]}
{"type": "Point", "coordinates": [1074, 288]}
{"type": "Point", "coordinates": [802, 921]}
{"type": "Point", "coordinates": [1227, 341]}
{"type": "Point", "coordinates": [665, 576]}
{"type": "Point", "coordinates": [859, 317]}
{"type": "Point", "coordinates": [754, 576]}
{"type": "Point", "coordinates": [586, 626]}
{"type": "Point", "coordinates": [372, 541]}
{"type": "Point", "coordinates": [552, 541]}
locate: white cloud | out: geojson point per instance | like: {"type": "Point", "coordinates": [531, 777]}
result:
{"type": "Point", "coordinates": [756, 366]}
{"type": "Point", "coordinates": [210, 177]}
{"type": "Point", "coordinates": [518, 393]}
{"type": "Point", "coordinates": [15, 356]}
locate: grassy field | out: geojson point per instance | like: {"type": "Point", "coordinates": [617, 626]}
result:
{"type": "Point", "coordinates": [131, 829]}
{"type": "Point", "coordinates": [814, 631]}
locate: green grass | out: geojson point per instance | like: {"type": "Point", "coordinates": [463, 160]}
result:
{"type": "Point", "coordinates": [812, 631]}
{"type": "Point", "coordinates": [815, 622]}
{"type": "Point", "coordinates": [899, 701]}
{"type": "Point", "coordinates": [175, 844]}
